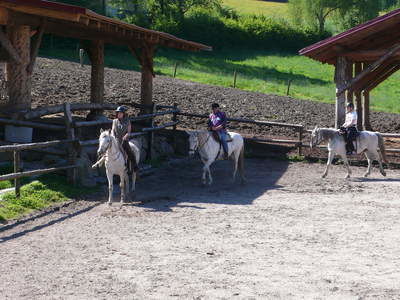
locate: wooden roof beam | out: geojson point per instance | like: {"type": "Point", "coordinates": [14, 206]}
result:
{"type": "Point", "coordinates": [372, 76]}
{"type": "Point", "coordinates": [382, 78]}
{"type": "Point", "coordinates": [370, 55]}
{"type": "Point", "coordinates": [371, 68]}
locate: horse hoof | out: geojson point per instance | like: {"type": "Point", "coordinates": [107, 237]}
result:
{"type": "Point", "coordinates": [366, 175]}
{"type": "Point", "coordinates": [347, 177]}
{"type": "Point", "coordinates": [323, 176]}
{"type": "Point", "coordinates": [109, 203]}
{"type": "Point", "coordinates": [384, 174]}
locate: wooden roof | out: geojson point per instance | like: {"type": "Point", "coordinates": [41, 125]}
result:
{"type": "Point", "coordinates": [81, 23]}
{"type": "Point", "coordinates": [364, 43]}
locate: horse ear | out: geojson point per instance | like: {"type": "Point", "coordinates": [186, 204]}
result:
{"type": "Point", "coordinates": [109, 131]}
{"type": "Point", "coordinates": [316, 127]}
{"type": "Point", "coordinates": [101, 130]}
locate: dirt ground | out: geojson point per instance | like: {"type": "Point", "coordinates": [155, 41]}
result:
{"type": "Point", "coordinates": [286, 234]}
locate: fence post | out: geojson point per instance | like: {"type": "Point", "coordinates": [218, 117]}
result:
{"type": "Point", "coordinates": [300, 140]}
{"type": "Point", "coordinates": [17, 169]}
{"type": "Point", "coordinates": [81, 56]}
{"type": "Point", "coordinates": [175, 68]}
{"type": "Point", "coordinates": [175, 119]}
{"type": "Point", "coordinates": [234, 79]}
{"type": "Point", "coordinates": [151, 134]}
{"type": "Point", "coordinates": [72, 153]}
{"type": "Point", "coordinates": [288, 87]}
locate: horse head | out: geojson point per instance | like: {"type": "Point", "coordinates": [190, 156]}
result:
{"type": "Point", "coordinates": [105, 140]}
{"type": "Point", "coordinates": [193, 142]}
{"type": "Point", "coordinates": [315, 138]}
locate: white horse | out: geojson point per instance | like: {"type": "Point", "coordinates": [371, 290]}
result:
{"type": "Point", "coordinates": [115, 163]}
{"type": "Point", "coordinates": [211, 150]}
{"type": "Point", "coordinates": [368, 142]}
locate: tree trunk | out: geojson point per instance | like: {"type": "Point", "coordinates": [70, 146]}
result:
{"type": "Point", "coordinates": [18, 78]}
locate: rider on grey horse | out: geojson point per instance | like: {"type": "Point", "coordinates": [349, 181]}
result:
{"type": "Point", "coordinates": [121, 127]}
{"type": "Point", "coordinates": [217, 123]}
{"type": "Point", "coordinates": [349, 128]}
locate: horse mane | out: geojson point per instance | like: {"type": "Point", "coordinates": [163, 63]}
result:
{"type": "Point", "coordinates": [327, 132]}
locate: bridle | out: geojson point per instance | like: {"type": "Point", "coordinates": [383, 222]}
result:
{"type": "Point", "coordinates": [318, 141]}
{"type": "Point", "coordinates": [108, 147]}
{"type": "Point", "coordinates": [198, 147]}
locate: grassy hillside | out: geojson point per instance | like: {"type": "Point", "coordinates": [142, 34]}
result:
{"type": "Point", "coordinates": [268, 8]}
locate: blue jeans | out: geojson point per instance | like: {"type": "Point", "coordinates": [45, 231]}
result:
{"type": "Point", "coordinates": [223, 136]}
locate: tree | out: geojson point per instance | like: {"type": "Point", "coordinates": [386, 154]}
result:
{"type": "Point", "coordinates": [162, 10]}
{"type": "Point", "coordinates": [314, 12]}
{"type": "Point", "coordinates": [346, 13]}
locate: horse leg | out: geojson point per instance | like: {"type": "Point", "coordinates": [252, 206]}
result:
{"type": "Point", "coordinates": [204, 178]}
{"type": "Point", "coordinates": [133, 186]}
{"type": "Point", "coordinates": [380, 158]}
{"type": "Point", "coordinates": [210, 180]}
{"type": "Point", "coordinates": [235, 166]}
{"type": "Point", "coordinates": [110, 187]}
{"type": "Point", "coordinates": [328, 164]}
{"type": "Point", "coordinates": [347, 165]}
{"type": "Point", "coordinates": [369, 157]}
{"type": "Point", "coordinates": [123, 178]}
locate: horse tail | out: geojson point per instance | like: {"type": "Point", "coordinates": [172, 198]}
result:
{"type": "Point", "coordinates": [382, 148]}
{"type": "Point", "coordinates": [241, 161]}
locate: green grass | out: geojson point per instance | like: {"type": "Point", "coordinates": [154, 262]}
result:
{"type": "Point", "coordinates": [41, 193]}
{"type": "Point", "coordinates": [267, 8]}
{"type": "Point", "coordinates": [259, 71]}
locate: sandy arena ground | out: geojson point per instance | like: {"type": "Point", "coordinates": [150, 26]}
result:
{"type": "Point", "coordinates": [287, 234]}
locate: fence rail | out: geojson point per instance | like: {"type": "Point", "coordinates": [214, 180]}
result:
{"type": "Point", "coordinates": [73, 143]}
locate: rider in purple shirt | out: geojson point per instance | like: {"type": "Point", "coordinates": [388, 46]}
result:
{"type": "Point", "coordinates": [217, 123]}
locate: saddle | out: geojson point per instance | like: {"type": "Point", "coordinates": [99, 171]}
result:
{"type": "Point", "coordinates": [217, 139]}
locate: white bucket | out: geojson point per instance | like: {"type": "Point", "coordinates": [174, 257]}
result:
{"type": "Point", "coordinates": [16, 134]}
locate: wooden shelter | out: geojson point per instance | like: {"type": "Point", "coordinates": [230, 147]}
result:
{"type": "Point", "coordinates": [25, 21]}
{"type": "Point", "coordinates": [363, 56]}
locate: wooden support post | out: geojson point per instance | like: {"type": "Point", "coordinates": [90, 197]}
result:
{"type": "Point", "coordinates": [151, 135]}
{"type": "Point", "coordinates": [146, 61]}
{"type": "Point", "coordinates": [366, 122]}
{"type": "Point", "coordinates": [175, 119]}
{"type": "Point", "coordinates": [18, 78]}
{"type": "Point", "coordinates": [340, 80]}
{"type": "Point", "coordinates": [358, 100]}
{"type": "Point", "coordinates": [72, 153]}
{"type": "Point", "coordinates": [300, 140]}
{"type": "Point", "coordinates": [36, 46]}
{"type": "Point", "coordinates": [17, 169]}
{"type": "Point", "coordinates": [96, 56]}
{"type": "Point", "coordinates": [234, 78]}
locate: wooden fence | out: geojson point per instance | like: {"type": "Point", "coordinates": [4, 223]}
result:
{"type": "Point", "coordinates": [297, 143]}
{"type": "Point", "coordinates": [299, 129]}
{"type": "Point", "coordinates": [72, 143]}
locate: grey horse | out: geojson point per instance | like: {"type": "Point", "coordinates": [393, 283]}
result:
{"type": "Point", "coordinates": [368, 142]}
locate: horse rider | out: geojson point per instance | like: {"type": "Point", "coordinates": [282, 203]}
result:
{"type": "Point", "coordinates": [217, 123]}
{"type": "Point", "coordinates": [121, 128]}
{"type": "Point", "coordinates": [349, 128]}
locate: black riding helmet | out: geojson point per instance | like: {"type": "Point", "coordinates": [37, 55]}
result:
{"type": "Point", "coordinates": [215, 105]}
{"type": "Point", "coordinates": [121, 109]}
{"type": "Point", "coordinates": [351, 105]}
